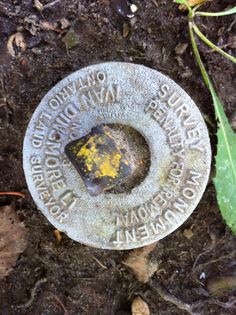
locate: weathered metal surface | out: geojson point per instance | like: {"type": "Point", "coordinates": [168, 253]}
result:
{"type": "Point", "coordinates": [157, 108]}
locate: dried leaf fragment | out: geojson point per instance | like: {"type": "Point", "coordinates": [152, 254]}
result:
{"type": "Point", "coordinates": [71, 39]}
{"type": "Point", "coordinates": [140, 307]}
{"type": "Point", "coordinates": [57, 234]}
{"type": "Point", "coordinates": [139, 262]}
{"type": "Point", "coordinates": [12, 239]}
{"type": "Point", "coordinates": [220, 285]}
{"type": "Point", "coordinates": [48, 26]}
{"type": "Point", "coordinates": [126, 29]}
{"type": "Point", "coordinates": [192, 3]}
{"type": "Point", "coordinates": [16, 44]}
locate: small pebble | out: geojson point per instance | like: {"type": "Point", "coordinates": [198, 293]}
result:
{"type": "Point", "coordinates": [16, 44]}
{"type": "Point", "coordinates": [64, 23]}
{"type": "Point", "coordinates": [140, 307]}
{"type": "Point", "coordinates": [188, 233]}
{"type": "Point", "coordinates": [124, 8]}
{"type": "Point", "coordinates": [232, 41]}
{"type": "Point", "coordinates": [181, 48]}
{"type": "Point", "coordinates": [233, 121]}
{"type": "Point", "coordinates": [133, 21]}
{"type": "Point", "coordinates": [36, 51]}
{"type": "Point", "coordinates": [202, 276]}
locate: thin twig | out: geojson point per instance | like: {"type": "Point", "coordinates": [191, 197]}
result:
{"type": "Point", "coordinates": [210, 51]}
{"type": "Point", "coordinates": [59, 302]}
{"type": "Point", "coordinates": [165, 295]}
{"type": "Point", "coordinates": [12, 193]}
{"type": "Point", "coordinates": [33, 293]}
{"type": "Point", "coordinates": [208, 250]}
{"type": "Point", "coordinates": [231, 25]}
{"type": "Point", "coordinates": [154, 1]}
{"type": "Point", "coordinates": [190, 308]}
{"type": "Point", "coordinates": [3, 99]}
{"type": "Point", "coordinates": [229, 256]}
{"type": "Point", "coordinates": [202, 254]}
{"type": "Point", "coordinates": [51, 4]}
{"type": "Point", "coordinates": [103, 266]}
{"type": "Point", "coordinates": [226, 305]}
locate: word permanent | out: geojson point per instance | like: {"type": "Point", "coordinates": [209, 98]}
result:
{"type": "Point", "coordinates": [160, 111]}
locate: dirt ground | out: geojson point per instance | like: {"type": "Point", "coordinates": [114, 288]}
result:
{"type": "Point", "coordinates": [66, 278]}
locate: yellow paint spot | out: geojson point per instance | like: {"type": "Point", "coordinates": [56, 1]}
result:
{"type": "Point", "coordinates": [88, 152]}
{"type": "Point", "coordinates": [103, 164]}
{"type": "Point", "coordinates": [109, 165]}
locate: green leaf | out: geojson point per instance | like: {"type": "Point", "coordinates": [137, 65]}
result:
{"type": "Point", "coordinates": [225, 179]}
{"type": "Point", "coordinates": [180, 1]}
{"type": "Point", "coordinates": [211, 45]}
{"type": "Point", "coordinates": [223, 13]}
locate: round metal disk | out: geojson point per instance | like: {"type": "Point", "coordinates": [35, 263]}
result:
{"type": "Point", "coordinates": [161, 112]}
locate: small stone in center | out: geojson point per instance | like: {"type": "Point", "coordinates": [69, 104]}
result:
{"type": "Point", "coordinates": [112, 158]}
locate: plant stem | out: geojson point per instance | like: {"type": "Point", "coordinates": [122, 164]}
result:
{"type": "Point", "coordinates": [210, 44]}
{"type": "Point", "coordinates": [223, 13]}
{"type": "Point", "coordinates": [197, 55]}
{"type": "Point", "coordinates": [194, 9]}
{"type": "Point", "coordinates": [215, 98]}
{"type": "Point", "coordinates": [190, 11]}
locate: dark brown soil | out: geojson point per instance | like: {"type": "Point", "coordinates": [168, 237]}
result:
{"type": "Point", "coordinates": [68, 271]}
